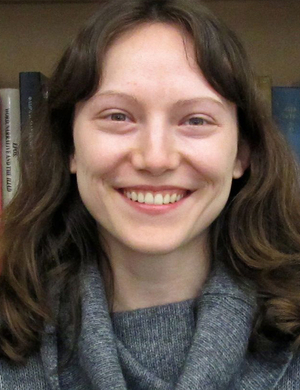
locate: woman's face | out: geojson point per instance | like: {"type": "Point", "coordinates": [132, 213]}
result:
{"type": "Point", "coordinates": [155, 131]}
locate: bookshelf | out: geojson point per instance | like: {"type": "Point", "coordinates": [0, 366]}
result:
{"type": "Point", "coordinates": [33, 34]}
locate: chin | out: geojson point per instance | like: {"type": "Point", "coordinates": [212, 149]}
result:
{"type": "Point", "coordinates": [153, 245]}
{"type": "Point", "coordinates": [153, 250]}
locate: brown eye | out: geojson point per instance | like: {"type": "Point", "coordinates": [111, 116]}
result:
{"type": "Point", "coordinates": [119, 117]}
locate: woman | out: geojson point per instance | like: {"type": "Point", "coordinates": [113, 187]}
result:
{"type": "Point", "coordinates": [159, 246]}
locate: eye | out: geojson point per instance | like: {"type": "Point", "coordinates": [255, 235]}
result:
{"type": "Point", "coordinates": [118, 117]}
{"type": "Point", "coordinates": [196, 121]}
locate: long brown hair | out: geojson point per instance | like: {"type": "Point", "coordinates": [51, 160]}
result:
{"type": "Point", "coordinates": [48, 235]}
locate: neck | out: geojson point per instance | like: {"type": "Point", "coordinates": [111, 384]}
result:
{"type": "Point", "coordinates": [143, 280]}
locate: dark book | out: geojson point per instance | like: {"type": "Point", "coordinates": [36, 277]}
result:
{"type": "Point", "coordinates": [286, 113]}
{"type": "Point", "coordinates": [33, 88]}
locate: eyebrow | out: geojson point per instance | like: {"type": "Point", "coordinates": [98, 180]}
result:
{"type": "Point", "coordinates": [203, 99]}
{"type": "Point", "coordinates": [117, 94]}
{"type": "Point", "coordinates": [178, 103]}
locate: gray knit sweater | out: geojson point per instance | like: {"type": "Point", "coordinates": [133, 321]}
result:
{"type": "Point", "coordinates": [145, 337]}
{"type": "Point", "coordinates": [192, 345]}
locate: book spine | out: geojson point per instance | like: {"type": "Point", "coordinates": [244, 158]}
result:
{"type": "Point", "coordinates": [265, 88]}
{"type": "Point", "coordinates": [10, 125]}
{"type": "Point", "coordinates": [33, 88]}
{"type": "Point", "coordinates": [1, 190]}
{"type": "Point", "coordinates": [286, 113]}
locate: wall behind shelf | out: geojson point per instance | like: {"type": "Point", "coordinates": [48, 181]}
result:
{"type": "Point", "coordinates": [33, 36]}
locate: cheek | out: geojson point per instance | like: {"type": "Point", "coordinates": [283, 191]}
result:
{"type": "Point", "coordinates": [98, 156]}
{"type": "Point", "coordinates": [214, 163]}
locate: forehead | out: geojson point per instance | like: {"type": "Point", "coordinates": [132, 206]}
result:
{"type": "Point", "coordinates": [158, 59]}
{"type": "Point", "coordinates": [152, 42]}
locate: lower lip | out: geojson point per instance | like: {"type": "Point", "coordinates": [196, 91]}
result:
{"type": "Point", "coordinates": [153, 209]}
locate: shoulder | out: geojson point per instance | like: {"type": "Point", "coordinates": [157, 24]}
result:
{"type": "Point", "coordinates": [23, 377]}
{"type": "Point", "coordinates": [291, 377]}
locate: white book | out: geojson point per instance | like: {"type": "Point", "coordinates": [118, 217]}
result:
{"type": "Point", "coordinates": [10, 139]}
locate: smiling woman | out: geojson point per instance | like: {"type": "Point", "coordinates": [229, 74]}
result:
{"type": "Point", "coordinates": [161, 250]}
{"type": "Point", "coordinates": [156, 151]}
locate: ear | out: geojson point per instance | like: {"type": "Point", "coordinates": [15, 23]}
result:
{"type": "Point", "coordinates": [242, 161]}
{"type": "Point", "coordinates": [73, 164]}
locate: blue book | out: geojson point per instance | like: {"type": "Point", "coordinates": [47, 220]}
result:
{"type": "Point", "coordinates": [33, 89]}
{"type": "Point", "coordinates": [286, 113]}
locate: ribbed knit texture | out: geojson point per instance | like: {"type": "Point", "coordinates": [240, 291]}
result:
{"type": "Point", "coordinates": [158, 338]}
{"type": "Point", "coordinates": [217, 357]}
{"type": "Point", "coordinates": [215, 360]}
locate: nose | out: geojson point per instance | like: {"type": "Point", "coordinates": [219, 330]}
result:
{"type": "Point", "coordinates": [156, 150]}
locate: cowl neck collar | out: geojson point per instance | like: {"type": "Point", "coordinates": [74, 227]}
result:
{"type": "Point", "coordinates": [218, 357]}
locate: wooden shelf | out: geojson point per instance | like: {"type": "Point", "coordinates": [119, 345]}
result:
{"type": "Point", "coordinates": [46, 1]}
{"type": "Point", "coordinates": [33, 35]}
{"type": "Point", "coordinates": [96, 1]}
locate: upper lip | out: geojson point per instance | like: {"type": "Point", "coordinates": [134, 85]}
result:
{"type": "Point", "coordinates": [154, 188]}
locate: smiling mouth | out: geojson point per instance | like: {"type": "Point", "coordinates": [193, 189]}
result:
{"type": "Point", "coordinates": [158, 198]}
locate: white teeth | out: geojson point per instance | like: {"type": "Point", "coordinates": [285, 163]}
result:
{"type": "Point", "coordinates": [149, 198]}
{"type": "Point", "coordinates": [140, 198]}
{"type": "Point", "coordinates": [173, 198]}
{"type": "Point", "coordinates": [158, 199]}
{"type": "Point", "coordinates": [167, 199]}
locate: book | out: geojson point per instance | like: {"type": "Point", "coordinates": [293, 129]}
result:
{"type": "Point", "coordinates": [33, 88]}
{"type": "Point", "coordinates": [10, 139]}
{"type": "Point", "coordinates": [265, 87]}
{"type": "Point", "coordinates": [1, 200]}
{"type": "Point", "coordinates": [286, 113]}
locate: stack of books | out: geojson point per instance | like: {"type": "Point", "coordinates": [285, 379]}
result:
{"type": "Point", "coordinates": [16, 108]}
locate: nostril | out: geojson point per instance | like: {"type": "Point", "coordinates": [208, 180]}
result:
{"type": "Point", "coordinates": [156, 162]}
